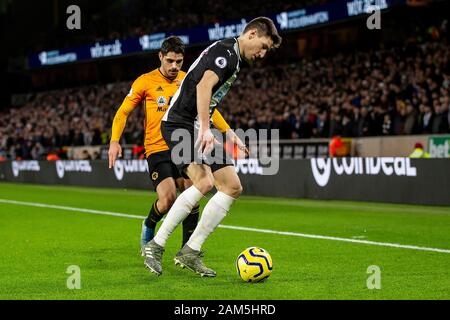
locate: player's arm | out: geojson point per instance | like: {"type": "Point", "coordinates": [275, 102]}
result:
{"type": "Point", "coordinates": [219, 122]}
{"type": "Point", "coordinates": [220, 64]}
{"type": "Point", "coordinates": [205, 139]}
{"type": "Point", "coordinates": [130, 102]}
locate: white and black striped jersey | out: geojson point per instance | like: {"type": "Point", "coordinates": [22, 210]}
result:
{"type": "Point", "coordinates": [223, 58]}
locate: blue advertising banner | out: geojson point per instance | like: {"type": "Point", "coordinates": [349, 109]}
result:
{"type": "Point", "coordinates": [285, 21]}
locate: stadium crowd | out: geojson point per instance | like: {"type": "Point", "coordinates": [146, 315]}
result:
{"type": "Point", "coordinates": [182, 14]}
{"type": "Point", "coordinates": [136, 18]}
{"type": "Point", "coordinates": [403, 90]}
{"type": "Point", "coordinates": [52, 120]}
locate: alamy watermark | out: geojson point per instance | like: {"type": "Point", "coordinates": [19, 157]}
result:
{"type": "Point", "coordinates": [374, 20]}
{"type": "Point", "coordinates": [262, 144]}
{"type": "Point", "coordinates": [374, 280]}
{"type": "Point", "coordinates": [74, 280]}
{"type": "Point", "coordinates": [74, 20]}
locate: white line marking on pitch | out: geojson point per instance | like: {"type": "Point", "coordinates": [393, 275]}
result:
{"type": "Point", "coordinates": [359, 237]}
{"type": "Point", "coordinates": [50, 206]}
{"type": "Point", "coordinates": [295, 234]}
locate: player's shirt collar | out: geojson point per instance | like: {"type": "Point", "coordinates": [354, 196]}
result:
{"type": "Point", "coordinates": [237, 49]}
{"type": "Point", "coordinates": [168, 79]}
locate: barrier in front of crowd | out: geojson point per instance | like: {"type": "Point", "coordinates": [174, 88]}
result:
{"type": "Point", "coordinates": [392, 146]}
{"type": "Point", "coordinates": [385, 179]}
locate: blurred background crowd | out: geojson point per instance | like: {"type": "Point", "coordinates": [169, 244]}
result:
{"type": "Point", "coordinates": [135, 18]}
{"type": "Point", "coordinates": [377, 90]}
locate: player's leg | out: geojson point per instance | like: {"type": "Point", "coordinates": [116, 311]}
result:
{"type": "Point", "coordinates": [229, 189]}
{"type": "Point", "coordinates": [163, 176]}
{"type": "Point", "coordinates": [167, 193]}
{"type": "Point", "coordinates": [191, 221]}
{"type": "Point", "coordinates": [203, 180]}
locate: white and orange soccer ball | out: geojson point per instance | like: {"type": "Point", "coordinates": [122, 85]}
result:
{"type": "Point", "coordinates": [254, 264]}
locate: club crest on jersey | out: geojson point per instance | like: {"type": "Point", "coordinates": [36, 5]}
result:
{"type": "Point", "coordinates": [221, 62]}
{"type": "Point", "coordinates": [161, 101]}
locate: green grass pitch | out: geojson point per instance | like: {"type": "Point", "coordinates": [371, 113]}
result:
{"type": "Point", "coordinates": [38, 244]}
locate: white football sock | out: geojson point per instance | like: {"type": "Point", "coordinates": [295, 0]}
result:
{"type": "Point", "coordinates": [178, 212]}
{"type": "Point", "coordinates": [215, 210]}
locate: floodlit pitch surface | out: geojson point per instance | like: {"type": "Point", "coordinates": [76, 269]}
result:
{"type": "Point", "coordinates": [320, 249]}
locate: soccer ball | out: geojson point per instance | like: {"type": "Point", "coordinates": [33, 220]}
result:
{"type": "Point", "coordinates": [254, 264]}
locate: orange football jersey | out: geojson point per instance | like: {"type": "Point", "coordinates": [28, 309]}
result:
{"type": "Point", "coordinates": [154, 90]}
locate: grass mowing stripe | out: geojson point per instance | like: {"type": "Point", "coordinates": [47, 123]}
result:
{"type": "Point", "coordinates": [306, 203]}
{"type": "Point", "coordinates": [117, 214]}
{"type": "Point", "coordinates": [313, 236]}
{"type": "Point", "coordinates": [50, 206]}
{"type": "Point", "coordinates": [342, 205]}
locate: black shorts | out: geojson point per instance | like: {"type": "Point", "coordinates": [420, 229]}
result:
{"type": "Point", "coordinates": [160, 167]}
{"type": "Point", "coordinates": [183, 151]}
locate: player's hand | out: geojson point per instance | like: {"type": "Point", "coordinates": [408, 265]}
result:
{"type": "Point", "coordinates": [235, 140]}
{"type": "Point", "coordinates": [115, 151]}
{"type": "Point", "coordinates": [205, 141]}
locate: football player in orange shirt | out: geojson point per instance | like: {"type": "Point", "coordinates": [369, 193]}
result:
{"type": "Point", "coordinates": [154, 90]}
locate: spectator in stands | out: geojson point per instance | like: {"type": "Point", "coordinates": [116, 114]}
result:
{"type": "Point", "coordinates": [410, 119]}
{"type": "Point", "coordinates": [337, 147]}
{"type": "Point", "coordinates": [401, 90]}
{"type": "Point", "coordinates": [137, 18]}
{"type": "Point", "coordinates": [425, 118]}
{"type": "Point", "coordinates": [439, 122]}
{"type": "Point", "coordinates": [85, 155]}
{"type": "Point", "coordinates": [419, 152]}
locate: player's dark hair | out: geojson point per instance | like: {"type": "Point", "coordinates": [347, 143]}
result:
{"type": "Point", "coordinates": [265, 27]}
{"type": "Point", "coordinates": [172, 44]}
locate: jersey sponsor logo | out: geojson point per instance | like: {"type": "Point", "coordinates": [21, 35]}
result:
{"type": "Point", "coordinates": [18, 166]}
{"type": "Point", "coordinates": [72, 166]}
{"type": "Point", "coordinates": [222, 92]}
{"type": "Point", "coordinates": [221, 62]}
{"type": "Point", "coordinates": [161, 101]}
{"type": "Point", "coordinates": [160, 89]}
{"type": "Point", "coordinates": [323, 167]}
{"type": "Point", "coordinates": [129, 166]}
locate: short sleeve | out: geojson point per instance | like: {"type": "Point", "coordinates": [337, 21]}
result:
{"type": "Point", "coordinates": [221, 61]}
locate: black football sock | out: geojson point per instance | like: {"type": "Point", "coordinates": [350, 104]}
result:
{"type": "Point", "coordinates": [154, 217]}
{"type": "Point", "coordinates": [190, 223]}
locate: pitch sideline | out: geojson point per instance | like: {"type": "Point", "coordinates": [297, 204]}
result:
{"type": "Point", "coordinates": [312, 236]}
